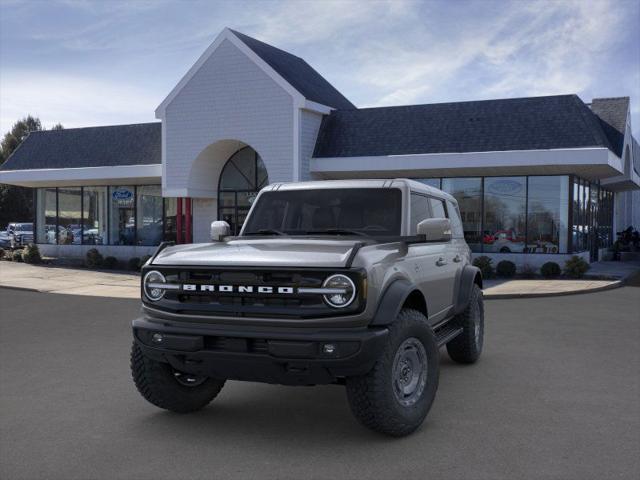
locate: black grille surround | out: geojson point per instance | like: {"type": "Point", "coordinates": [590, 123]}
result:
{"type": "Point", "coordinates": [253, 305]}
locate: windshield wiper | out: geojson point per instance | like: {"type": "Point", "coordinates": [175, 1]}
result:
{"type": "Point", "coordinates": [266, 231]}
{"type": "Point", "coordinates": [338, 231]}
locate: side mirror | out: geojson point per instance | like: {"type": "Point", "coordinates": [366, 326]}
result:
{"type": "Point", "coordinates": [219, 229]}
{"type": "Point", "coordinates": [435, 229]}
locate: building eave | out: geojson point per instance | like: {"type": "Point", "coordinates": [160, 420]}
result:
{"type": "Point", "coordinates": [85, 176]}
{"type": "Point", "coordinates": [591, 163]}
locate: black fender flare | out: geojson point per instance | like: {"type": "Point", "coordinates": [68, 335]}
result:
{"type": "Point", "coordinates": [391, 301]}
{"type": "Point", "coordinates": [467, 279]}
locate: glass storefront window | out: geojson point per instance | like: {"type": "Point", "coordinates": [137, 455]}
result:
{"type": "Point", "coordinates": [104, 215]}
{"type": "Point", "coordinates": [468, 192]}
{"type": "Point", "coordinates": [94, 216]}
{"type": "Point", "coordinates": [547, 215]}
{"type": "Point", "coordinates": [122, 221]}
{"type": "Point", "coordinates": [149, 215]}
{"type": "Point", "coordinates": [432, 182]}
{"type": "Point", "coordinates": [46, 215]}
{"type": "Point", "coordinates": [505, 200]}
{"type": "Point", "coordinates": [70, 216]}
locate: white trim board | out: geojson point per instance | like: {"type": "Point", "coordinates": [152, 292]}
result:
{"type": "Point", "coordinates": [601, 161]}
{"type": "Point", "coordinates": [135, 174]}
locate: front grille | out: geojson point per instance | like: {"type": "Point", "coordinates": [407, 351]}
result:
{"type": "Point", "coordinates": [252, 304]}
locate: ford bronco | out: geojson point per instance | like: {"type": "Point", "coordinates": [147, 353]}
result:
{"type": "Point", "coordinates": [353, 282]}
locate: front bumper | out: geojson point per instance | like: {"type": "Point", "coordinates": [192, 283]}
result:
{"type": "Point", "coordinates": [291, 356]}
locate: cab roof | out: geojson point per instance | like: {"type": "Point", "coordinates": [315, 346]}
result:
{"type": "Point", "coordinates": [401, 183]}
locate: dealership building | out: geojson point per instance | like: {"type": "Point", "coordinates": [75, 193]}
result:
{"type": "Point", "coordinates": [536, 178]}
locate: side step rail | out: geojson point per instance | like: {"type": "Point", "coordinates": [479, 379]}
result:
{"type": "Point", "coordinates": [447, 333]}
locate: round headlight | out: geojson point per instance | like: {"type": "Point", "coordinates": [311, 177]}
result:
{"type": "Point", "coordinates": [151, 288]}
{"type": "Point", "coordinates": [342, 293]}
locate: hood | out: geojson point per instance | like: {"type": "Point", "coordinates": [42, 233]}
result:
{"type": "Point", "coordinates": [261, 252]}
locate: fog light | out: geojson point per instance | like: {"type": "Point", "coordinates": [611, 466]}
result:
{"type": "Point", "coordinates": [329, 348]}
{"type": "Point", "coordinates": [157, 338]}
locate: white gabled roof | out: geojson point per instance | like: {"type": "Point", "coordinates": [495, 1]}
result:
{"type": "Point", "coordinates": [240, 44]}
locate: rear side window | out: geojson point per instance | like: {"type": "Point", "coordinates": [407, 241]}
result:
{"type": "Point", "coordinates": [437, 207]}
{"type": "Point", "coordinates": [454, 217]}
{"type": "Point", "coordinates": [419, 211]}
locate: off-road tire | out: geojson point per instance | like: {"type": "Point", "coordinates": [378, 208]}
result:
{"type": "Point", "coordinates": [466, 348]}
{"type": "Point", "coordinates": [156, 383]}
{"type": "Point", "coordinates": [371, 396]}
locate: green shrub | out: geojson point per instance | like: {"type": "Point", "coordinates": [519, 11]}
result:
{"type": "Point", "coordinates": [550, 270]}
{"type": "Point", "coordinates": [506, 269]}
{"type": "Point", "coordinates": [2, 253]}
{"type": "Point", "coordinates": [484, 263]}
{"type": "Point", "coordinates": [134, 264]}
{"type": "Point", "coordinates": [576, 267]}
{"type": "Point", "coordinates": [93, 259]}
{"type": "Point", "coordinates": [527, 271]}
{"type": "Point", "coordinates": [110, 263]}
{"type": "Point", "coordinates": [17, 256]}
{"type": "Point", "coordinates": [144, 260]}
{"type": "Point", "coordinates": [31, 254]}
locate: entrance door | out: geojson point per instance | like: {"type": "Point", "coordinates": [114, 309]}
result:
{"type": "Point", "coordinates": [242, 177]}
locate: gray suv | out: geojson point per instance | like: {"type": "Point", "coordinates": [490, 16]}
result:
{"type": "Point", "coordinates": [357, 283]}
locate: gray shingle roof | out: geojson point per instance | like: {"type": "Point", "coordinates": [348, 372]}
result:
{"type": "Point", "coordinates": [138, 144]}
{"type": "Point", "coordinates": [612, 113]}
{"type": "Point", "coordinates": [298, 73]}
{"type": "Point", "coordinates": [562, 121]}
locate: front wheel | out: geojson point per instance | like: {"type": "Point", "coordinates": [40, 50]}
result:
{"type": "Point", "coordinates": [170, 389]}
{"type": "Point", "coordinates": [396, 395]}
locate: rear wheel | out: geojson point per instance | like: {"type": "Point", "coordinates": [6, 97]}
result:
{"type": "Point", "coordinates": [396, 395]}
{"type": "Point", "coordinates": [167, 388]}
{"type": "Point", "coordinates": [467, 347]}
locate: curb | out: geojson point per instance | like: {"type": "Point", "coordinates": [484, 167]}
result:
{"type": "Point", "coordinates": [506, 296]}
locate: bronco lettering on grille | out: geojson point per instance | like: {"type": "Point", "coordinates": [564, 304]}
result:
{"type": "Point", "coordinates": [192, 287]}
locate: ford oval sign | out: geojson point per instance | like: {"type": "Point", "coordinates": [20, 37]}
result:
{"type": "Point", "coordinates": [122, 194]}
{"type": "Point", "coordinates": [505, 187]}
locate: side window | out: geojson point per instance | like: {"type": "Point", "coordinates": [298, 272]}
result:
{"type": "Point", "coordinates": [419, 211]}
{"type": "Point", "coordinates": [456, 223]}
{"type": "Point", "coordinates": [437, 207]}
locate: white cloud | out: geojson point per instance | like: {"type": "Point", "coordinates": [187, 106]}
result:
{"type": "Point", "coordinates": [297, 22]}
{"type": "Point", "coordinates": [385, 52]}
{"type": "Point", "coordinates": [71, 100]}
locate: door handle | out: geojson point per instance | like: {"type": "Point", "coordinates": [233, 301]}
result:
{"type": "Point", "coordinates": [457, 259]}
{"type": "Point", "coordinates": [441, 261]}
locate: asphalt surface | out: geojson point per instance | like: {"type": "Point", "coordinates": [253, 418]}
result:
{"type": "Point", "coordinates": [555, 395]}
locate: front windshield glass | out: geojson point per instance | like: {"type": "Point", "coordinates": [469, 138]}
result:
{"type": "Point", "coordinates": [354, 211]}
{"type": "Point", "coordinates": [24, 227]}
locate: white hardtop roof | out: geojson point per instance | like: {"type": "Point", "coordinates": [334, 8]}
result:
{"type": "Point", "coordinates": [365, 183]}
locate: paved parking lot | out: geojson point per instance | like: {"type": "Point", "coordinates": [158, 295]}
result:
{"type": "Point", "coordinates": [555, 395]}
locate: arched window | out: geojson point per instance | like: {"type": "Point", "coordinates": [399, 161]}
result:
{"type": "Point", "coordinates": [242, 177]}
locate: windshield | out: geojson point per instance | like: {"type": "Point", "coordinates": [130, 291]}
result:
{"type": "Point", "coordinates": [24, 227]}
{"type": "Point", "coordinates": [355, 211]}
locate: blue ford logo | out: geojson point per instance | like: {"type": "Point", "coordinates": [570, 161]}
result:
{"type": "Point", "coordinates": [505, 187]}
{"type": "Point", "coordinates": [122, 194]}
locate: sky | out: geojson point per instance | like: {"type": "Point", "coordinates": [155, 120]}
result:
{"type": "Point", "coordinates": [86, 63]}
